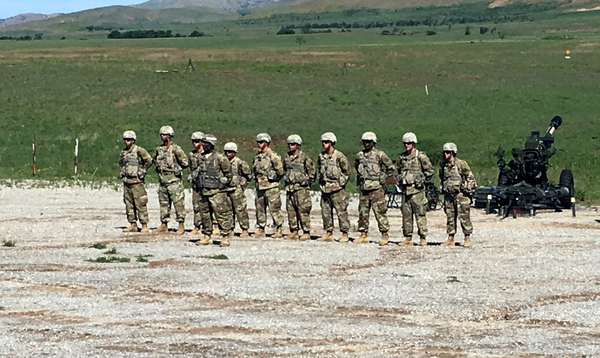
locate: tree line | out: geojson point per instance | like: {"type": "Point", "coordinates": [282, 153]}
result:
{"type": "Point", "coordinates": [150, 34]}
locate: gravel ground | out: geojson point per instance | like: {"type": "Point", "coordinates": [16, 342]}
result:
{"type": "Point", "coordinates": [528, 287]}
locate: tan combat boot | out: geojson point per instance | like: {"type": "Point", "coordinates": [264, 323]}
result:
{"type": "Point", "coordinates": [144, 228]}
{"type": "Point", "coordinates": [407, 241]}
{"type": "Point", "coordinates": [467, 242]}
{"type": "Point", "coordinates": [327, 237]}
{"type": "Point", "coordinates": [131, 228]}
{"type": "Point", "coordinates": [292, 235]}
{"type": "Point", "coordinates": [216, 229]}
{"type": "Point", "coordinates": [225, 240]}
{"type": "Point", "coordinates": [306, 235]}
{"type": "Point", "coordinates": [362, 239]}
{"type": "Point", "coordinates": [385, 238]}
{"type": "Point", "coordinates": [344, 237]}
{"type": "Point", "coordinates": [163, 228]}
{"type": "Point", "coordinates": [195, 231]}
{"type": "Point", "coordinates": [206, 240]}
{"type": "Point", "coordinates": [259, 233]}
{"type": "Point", "coordinates": [278, 234]}
{"type": "Point", "coordinates": [180, 229]}
{"type": "Point", "coordinates": [449, 241]}
{"type": "Point", "coordinates": [244, 233]}
{"type": "Point", "coordinates": [423, 241]}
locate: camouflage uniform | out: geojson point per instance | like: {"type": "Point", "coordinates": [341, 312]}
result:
{"type": "Point", "coordinates": [373, 168]}
{"type": "Point", "coordinates": [299, 174]}
{"type": "Point", "coordinates": [334, 171]}
{"type": "Point", "coordinates": [133, 164]}
{"type": "Point", "coordinates": [214, 176]}
{"type": "Point", "coordinates": [458, 184]}
{"type": "Point", "coordinates": [169, 163]}
{"type": "Point", "coordinates": [194, 159]}
{"type": "Point", "coordinates": [241, 175]}
{"type": "Point", "coordinates": [414, 170]}
{"type": "Point", "coordinates": [267, 170]}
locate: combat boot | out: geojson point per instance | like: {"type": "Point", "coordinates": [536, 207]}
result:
{"type": "Point", "coordinates": [362, 239]}
{"type": "Point", "coordinates": [449, 241]}
{"type": "Point", "coordinates": [278, 234]}
{"type": "Point", "coordinates": [216, 229]}
{"type": "Point", "coordinates": [292, 235]}
{"type": "Point", "coordinates": [385, 238]}
{"type": "Point", "coordinates": [344, 237]}
{"type": "Point", "coordinates": [144, 228]}
{"type": "Point", "coordinates": [306, 235]}
{"type": "Point", "coordinates": [467, 242]}
{"type": "Point", "coordinates": [407, 241]}
{"type": "Point", "coordinates": [163, 228]}
{"type": "Point", "coordinates": [180, 229]}
{"type": "Point", "coordinates": [244, 233]}
{"type": "Point", "coordinates": [195, 231]}
{"type": "Point", "coordinates": [131, 228]}
{"type": "Point", "coordinates": [225, 240]}
{"type": "Point", "coordinates": [206, 240]}
{"type": "Point", "coordinates": [327, 237]}
{"type": "Point", "coordinates": [423, 241]}
{"type": "Point", "coordinates": [259, 233]}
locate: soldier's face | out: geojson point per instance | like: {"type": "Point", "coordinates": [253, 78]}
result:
{"type": "Point", "coordinates": [230, 154]}
{"type": "Point", "coordinates": [447, 156]}
{"type": "Point", "coordinates": [262, 145]}
{"type": "Point", "coordinates": [409, 146]}
{"type": "Point", "coordinates": [164, 137]}
{"type": "Point", "coordinates": [197, 144]}
{"type": "Point", "coordinates": [368, 144]}
{"type": "Point", "coordinates": [128, 143]}
{"type": "Point", "coordinates": [326, 144]}
{"type": "Point", "coordinates": [293, 147]}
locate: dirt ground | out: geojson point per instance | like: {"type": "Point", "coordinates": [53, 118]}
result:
{"type": "Point", "coordinates": [528, 287]}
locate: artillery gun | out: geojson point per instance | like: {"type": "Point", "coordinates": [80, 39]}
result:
{"type": "Point", "coordinates": [523, 182]}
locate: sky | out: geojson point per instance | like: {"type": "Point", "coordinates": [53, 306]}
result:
{"type": "Point", "coordinates": [9, 8]}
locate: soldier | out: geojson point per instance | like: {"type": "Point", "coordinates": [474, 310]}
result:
{"type": "Point", "coordinates": [194, 159]}
{"type": "Point", "coordinates": [267, 170]}
{"type": "Point", "coordinates": [333, 170]}
{"type": "Point", "coordinates": [239, 182]}
{"type": "Point", "coordinates": [133, 163]}
{"type": "Point", "coordinates": [414, 170]}
{"type": "Point", "coordinates": [373, 168]}
{"type": "Point", "coordinates": [458, 185]}
{"type": "Point", "coordinates": [299, 173]}
{"type": "Point", "coordinates": [214, 176]}
{"type": "Point", "coordinates": [169, 161]}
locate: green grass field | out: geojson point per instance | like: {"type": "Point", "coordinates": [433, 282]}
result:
{"type": "Point", "coordinates": [483, 91]}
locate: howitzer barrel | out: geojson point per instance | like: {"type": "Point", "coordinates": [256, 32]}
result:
{"type": "Point", "coordinates": [554, 124]}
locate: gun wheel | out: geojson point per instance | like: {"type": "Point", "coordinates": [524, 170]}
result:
{"type": "Point", "coordinates": [566, 181]}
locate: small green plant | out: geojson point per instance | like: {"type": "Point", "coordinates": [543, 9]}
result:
{"type": "Point", "coordinates": [217, 257]}
{"type": "Point", "coordinates": [142, 258]}
{"type": "Point", "coordinates": [112, 251]}
{"type": "Point", "coordinates": [109, 259]}
{"type": "Point", "coordinates": [99, 246]}
{"type": "Point", "coordinates": [453, 279]}
{"type": "Point", "coordinates": [9, 243]}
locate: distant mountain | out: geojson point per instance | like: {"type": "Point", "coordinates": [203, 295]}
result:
{"type": "Point", "coordinates": [18, 19]}
{"type": "Point", "coordinates": [215, 4]}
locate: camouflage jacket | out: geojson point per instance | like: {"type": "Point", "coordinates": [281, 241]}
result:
{"type": "Point", "coordinates": [133, 164]}
{"type": "Point", "coordinates": [169, 162]}
{"type": "Point", "coordinates": [333, 170]}
{"type": "Point", "coordinates": [373, 167]}
{"type": "Point", "coordinates": [214, 174]}
{"type": "Point", "coordinates": [299, 171]}
{"type": "Point", "coordinates": [194, 158]}
{"type": "Point", "coordinates": [267, 169]}
{"type": "Point", "coordinates": [241, 174]}
{"type": "Point", "coordinates": [457, 178]}
{"type": "Point", "coordinates": [414, 170]}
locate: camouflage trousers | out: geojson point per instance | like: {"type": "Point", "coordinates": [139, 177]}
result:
{"type": "Point", "coordinates": [136, 201]}
{"type": "Point", "coordinates": [172, 193]}
{"type": "Point", "coordinates": [458, 206]}
{"type": "Point", "coordinates": [240, 207]}
{"type": "Point", "coordinates": [268, 198]}
{"type": "Point", "coordinates": [218, 205]}
{"type": "Point", "coordinates": [196, 205]}
{"type": "Point", "coordinates": [372, 199]}
{"type": "Point", "coordinates": [339, 201]}
{"type": "Point", "coordinates": [414, 205]}
{"type": "Point", "coordinates": [298, 206]}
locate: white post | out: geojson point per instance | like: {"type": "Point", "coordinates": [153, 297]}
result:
{"type": "Point", "coordinates": [426, 90]}
{"type": "Point", "coordinates": [76, 153]}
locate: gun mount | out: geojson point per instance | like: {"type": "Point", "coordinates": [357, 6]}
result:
{"type": "Point", "coordinates": [523, 181]}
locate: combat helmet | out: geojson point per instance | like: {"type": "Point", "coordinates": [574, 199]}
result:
{"type": "Point", "coordinates": [129, 135]}
{"type": "Point", "coordinates": [369, 136]}
{"type": "Point", "coordinates": [450, 147]}
{"type": "Point", "coordinates": [209, 138]}
{"type": "Point", "coordinates": [197, 135]}
{"type": "Point", "coordinates": [263, 137]}
{"type": "Point", "coordinates": [409, 137]}
{"type": "Point", "coordinates": [328, 137]}
{"type": "Point", "coordinates": [294, 139]}
{"type": "Point", "coordinates": [230, 147]}
{"type": "Point", "coordinates": [167, 130]}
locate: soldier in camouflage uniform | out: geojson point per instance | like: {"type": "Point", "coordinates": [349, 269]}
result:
{"type": "Point", "coordinates": [333, 170]}
{"type": "Point", "coordinates": [458, 185]}
{"type": "Point", "coordinates": [169, 161]}
{"type": "Point", "coordinates": [214, 177]}
{"type": "Point", "coordinates": [414, 170]}
{"type": "Point", "coordinates": [373, 168]}
{"type": "Point", "coordinates": [299, 173]}
{"type": "Point", "coordinates": [241, 176]}
{"type": "Point", "coordinates": [267, 169]}
{"type": "Point", "coordinates": [133, 163]}
{"type": "Point", "coordinates": [194, 160]}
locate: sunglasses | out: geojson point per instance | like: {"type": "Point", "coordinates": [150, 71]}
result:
{"type": "Point", "coordinates": [261, 141]}
{"type": "Point", "coordinates": [196, 141]}
{"type": "Point", "coordinates": [128, 139]}
{"type": "Point", "coordinates": [447, 152]}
